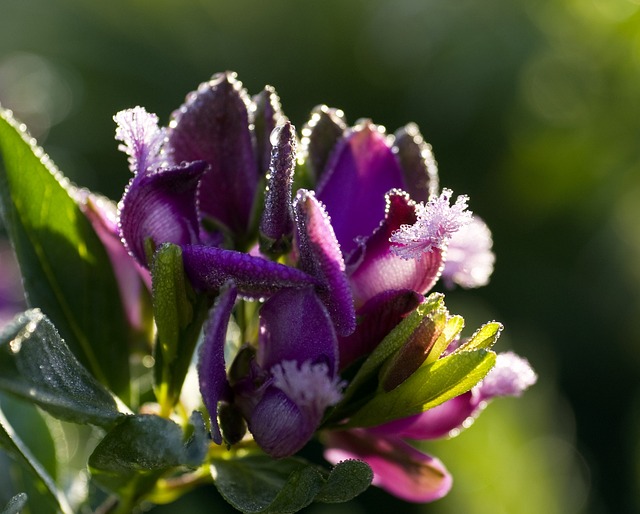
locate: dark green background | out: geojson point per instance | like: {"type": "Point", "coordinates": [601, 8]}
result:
{"type": "Point", "coordinates": [532, 108]}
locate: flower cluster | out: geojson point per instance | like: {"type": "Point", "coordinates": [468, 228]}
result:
{"type": "Point", "coordinates": [319, 255]}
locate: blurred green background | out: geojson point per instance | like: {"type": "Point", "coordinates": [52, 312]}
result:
{"type": "Point", "coordinates": [532, 108]}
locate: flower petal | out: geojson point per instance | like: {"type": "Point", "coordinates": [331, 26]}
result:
{"type": "Point", "coordinates": [212, 375]}
{"type": "Point", "coordinates": [208, 268]}
{"type": "Point", "coordinates": [319, 138]}
{"type": "Point", "coordinates": [511, 376]}
{"type": "Point", "coordinates": [131, 277]}
{"type": "Point", "coordinates": [276, 225]}
{"type": "Point", "coordinates": [397, 467]}
{"type": "Point", "coordinates": [441, 421]}
{"type": "Point", "coordinates": [320, 256]}
{"type": "Point", "coordinates": [266, 116]}
{"type": "Point", "coordinates": [362, 168]}
{"type": "Point", "coordinates": [161, 207]}
{"type": "Point", "coordinates": [213, 126]}
{"type": "Point", "coordinates": [418, 164]}
{"type": "Point", "coordinates": [376, 268]}
{"type": "Point", "coordinates": [294, 325]}
{"type": "Point", "coordinates": [469, 257]}
{"type": "Point", "coordinates": [279, 426]}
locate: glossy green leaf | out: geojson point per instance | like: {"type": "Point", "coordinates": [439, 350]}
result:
{"type": "Point", "coordinates": [484, 337]}
{"type": "Point", "coordinates": [13, 444]}
{"type": "Point", "coordinates": [36, 365]}
{"type": "Point", "coordinates": [15, 504]}
{"type": "Point", "coordinates": [428, 387]}
{"type": "Point", "coordinates": [260, 484]}
{"type": "Point", "coordinates": [65, 267]}
{"type": "Point", "coordinates": [347, 480]}
{"type": "Point", "coordinates": [137, 451]}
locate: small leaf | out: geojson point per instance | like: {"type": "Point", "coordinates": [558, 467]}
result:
{"type": "Point", "coordinates": [259, 484]}
{"type": "Point", "coordinates": [179, 315]}
{"type": "Point", "coordinates": [347, 480]}
{"type": "Point", "coordinates": [484, 337]}
{"type": "Point", "coordinates": [37, 365]}
{"type": "Point", "coordinates": [171, 306]}
{"type": "Point", "coordinates": [364, 381]}
{"type": "Point", "coordinates": [428, 387]}
{"type": "Point", "coordinates": [65, 267]}
{"type": "Point", "coordinates": [452, 328]}
{"type": "Point", "coordinates": [15, 505]}
{"type": "Point", "coordinates": [12, 443]}
{"type": "Point", "coordinates": [137, 451]}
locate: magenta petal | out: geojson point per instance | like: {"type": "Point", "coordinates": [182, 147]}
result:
{"type": "Point", "coordinates": [211, 368]}
{"type": "Point", "coordinates": [397, 467]}
{"type": "Point", "coordinates": [376, 319]}
{"type": "Point", "coordinates": [208, 268]}
{"type": "Point", "coordinates": [360, 171]}
{"type": "Point", "coordinates": [131, 277]}
{"type": "Point", "coordinates": [276, 225]}
{"type": "Point", "coordinates": [278, 425]}
{"type": "Point", "coordinates": [294, 325]}
{"type": "Point", "coordinates": [161, 207]}
{"type": "Point", "coordinates": [213, 126]}
{"type": "Point", "coordinates": [434, 423]}
{"type": "Point", "coordinates": [320, 256]}
{"type": "Point", "coordinates": [377, 268]}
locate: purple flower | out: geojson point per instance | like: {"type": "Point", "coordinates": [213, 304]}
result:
{"type": "Point", "coordinates": [11, 295]}
{"type": "Point", "coordinates": [336, 266]}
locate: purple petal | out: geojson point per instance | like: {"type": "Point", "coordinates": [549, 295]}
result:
{"type": "Point", "coordinates": [211, 368]}
{"type": "Point", "coordinates": [276, 225]}
{"type": "Point", "coordinates": [266, 117]}
{"type": "Point", "coordinates": [441, 421]}
{"type": "Point", "coordinates": [469, 260]}
{"type": "Point", "coordinates": [141, 139]}
{"type": "Point", "coordinates": [279, 426]}
{"type": "Point", "coordinates": [161, 207]}
{"type": "Point", "coordinates": [319, 138]}
{"type": "Point", "coordinates": [510, 376]}
{"type": "Point", "coordinates": [133, 280]}
{"type": "Point", "coordinates": [417, 162]}
{"type": "Point", "coordinates": [376, 319]}
{"type": "Point", "coordinates": [208, 268]}
{"type": "Point", "coordinates": [320, 257]}
{"type": "Point", "coordinates": [11, 294]}
{"type": "Point", "coordinates": [361, 170]}
{"type": "Point", "coordinates": [213, 126]}
{"type": "Point", "coordinates": [397, 467]}
{"type": "Point", "coordinates": [295, 326]}
{"type": "Point", "coordinates": [376, 268]}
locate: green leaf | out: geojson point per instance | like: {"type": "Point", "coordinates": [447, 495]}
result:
{"type": "Point", "coordinates": [452, 328]}
{"type": "Point", "coordinates": [259, 484]}
{"type": "Point", "coordinates": [365, 380]}
{"type": "Point", "coordinates": [428, 387]}
{"type": "Point", "coordinates": [179, 315]}
{"type": "Point", "coordinates": [12, 443]}
{"type": "Point", "coordinates": [15, 504]}
{"type": "Point", "coordinates": [484, 337]}
{"type": "Point", "coordinates": [347, 480]}
{"type": "Point", "coordinates": [137, 451]}
{"type": "Point", "coordinates": [66, 270]}
{"type": "Point", "coordinates": [36, 365]}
